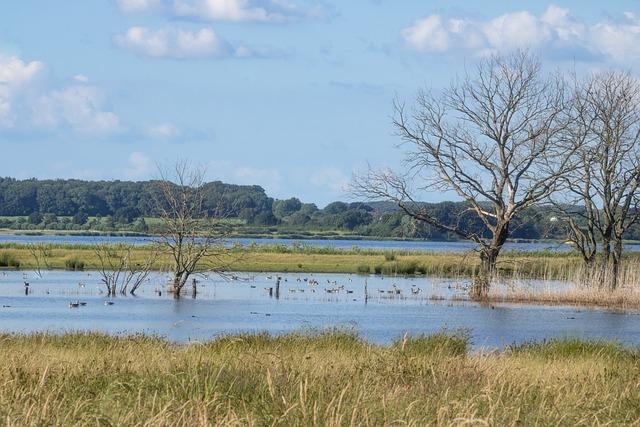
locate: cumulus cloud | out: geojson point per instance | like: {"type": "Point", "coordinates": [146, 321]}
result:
{"type": "Point", "coordinates": [178, 43]}
{"type": "Point", "coordinates": [15, 76]}
{"type": "Point", "coordinates": [554, 30]}
{"type": "Point", "coordinates": [139, 6]}
{"type": "Point", "coordinates": [272, 11]}
{"type": "Point", "coordinates": [241, 10]}
{"type": "Point", "coordinates": [79, 107]}
{"type": "Point", "coordinates": [26, 104]}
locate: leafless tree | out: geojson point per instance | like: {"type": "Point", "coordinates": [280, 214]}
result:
{"type": "Point", "coordinates": [41, 252]}
{"type": "Point", "coordinates": [120, 271]}
{"type": "Point", "coordinates": [496, 138]}
{"type": "Point", "coordinates": [188, 235]}
{"type": "Point", "coordinates": [606, 186]}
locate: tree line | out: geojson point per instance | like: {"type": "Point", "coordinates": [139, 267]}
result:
{"type": "Point", "coordinates": [122, 206]}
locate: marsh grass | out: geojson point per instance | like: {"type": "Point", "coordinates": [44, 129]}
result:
{"type": "Point", "coordinates": [9, 260]}
{"type": "Point", "coordinates": [582, 285]}
{"type": "Point", "coordinates": [324, 379]}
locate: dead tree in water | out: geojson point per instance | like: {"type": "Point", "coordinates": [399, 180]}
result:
{"type": "Point", "coordinates": [121, 273]}
{"type": "Point", "coordinates": [188, 235]}
{"type": "Point", "coordinates": [40, 252]}
{"type": "Point", "coordinates": [494, 138]}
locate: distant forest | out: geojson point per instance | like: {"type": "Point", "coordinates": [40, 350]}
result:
{"type": "Point", "coordinates": [130, 206]}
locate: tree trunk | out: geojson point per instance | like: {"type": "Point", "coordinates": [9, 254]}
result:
{"type": "Point", "coordinates": [178, 282]}
{"type": "Point", "coordinates": [482, 282]}
{"type": "Point", "coordinates": [488, 258]}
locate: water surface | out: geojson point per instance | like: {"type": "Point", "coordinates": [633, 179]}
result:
{"type": "Point", "coordinates": [244, 305]}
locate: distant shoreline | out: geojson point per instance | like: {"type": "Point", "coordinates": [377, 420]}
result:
{"type": "Point", "coordinates": [284, 236]}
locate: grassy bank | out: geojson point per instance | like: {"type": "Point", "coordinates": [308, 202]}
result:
{"type": "Point", "coordinates": [329, 379]}
{"type": "Point", "coordinates": [302, 258]}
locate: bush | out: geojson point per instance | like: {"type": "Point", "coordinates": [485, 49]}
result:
{"type": "Point", "coordinates": [363, 269]}
{"type": "Point", "coordinates": [389, 256]}
{"type": "Point", "coordinates": [9, 260]}
{"type": "Point", "coordinates": [74, 264]}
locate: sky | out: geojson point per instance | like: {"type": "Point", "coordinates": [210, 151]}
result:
{"type": "Point", "coordinates": [292, 95]}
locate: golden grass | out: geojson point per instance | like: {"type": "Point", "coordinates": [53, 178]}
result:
{"type": "Point", "coordinates": [255, 259]}
{"type": "Point", "coordinates": [583, 286]}
{"type": "Point", "coordinates": [331, 379]}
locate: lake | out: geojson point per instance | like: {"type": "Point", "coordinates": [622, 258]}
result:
{"type": "Point", "coordinates": [417, 245]}
{"type": "Point", "coordinates": [337, 301]}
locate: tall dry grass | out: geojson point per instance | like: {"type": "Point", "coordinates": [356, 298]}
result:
{"type": "Point", "coordinates": [581, 285]}
{"type": "Point", "coordinates": [330, 379]}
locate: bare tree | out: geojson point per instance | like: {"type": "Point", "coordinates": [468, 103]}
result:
{"type": "Point", "coordinates": [41, 253]}
{"type": "Point", "coordinates": [120, 272]}
{"type": "Point", "coordinates": [607, 118]}
{"type": "Point", "coordinates": [188, 235]}
{"type": "Point", "coordinates": [495, 138]}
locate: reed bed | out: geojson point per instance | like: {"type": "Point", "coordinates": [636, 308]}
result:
{"type": "Point", "coordinates": [582, 285]}
{"type": "Point", "coordinates": [327, 379]}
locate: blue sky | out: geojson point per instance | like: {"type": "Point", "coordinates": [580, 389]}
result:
{"type": "Point", "coordinates": [292, 95]}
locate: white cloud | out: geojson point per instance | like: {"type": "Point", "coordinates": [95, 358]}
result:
{"type": "Point", "coordinates": [139, 165]}
{"type": "Point", "coordinates": [163, 131]}
{"type": "Point", "coordinates": [175, 43]}
{"type": "Point", "coordinates": [139, 6]}
{"type": "Point", "coordinates": [15, 76]}
{"type": "Point", "coordinates": [554, 30]}
{"type": "Point", "coordinates": [79, 107]}
{"type": "Point", "coordinates": [237, 10]}
{"type": "Point", "coordinates": [27, 103]}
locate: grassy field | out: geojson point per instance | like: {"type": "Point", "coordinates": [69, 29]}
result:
{"type": "Point", "coordinates": [330, 379]}
{"type": "Point", "coordinates": [279, 258]}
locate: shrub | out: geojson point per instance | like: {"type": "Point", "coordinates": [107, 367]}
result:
{"type": "Point", "coordinates": [74, 264]}
{"type": "Point", "coordinates": [363, 269]}
{"type": "Point", "coordinates": [389, 256]}
{"type": "Point", "coordinates": [9, 260]}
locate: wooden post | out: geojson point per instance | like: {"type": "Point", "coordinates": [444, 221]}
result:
{"type": "Point", "coordinates": [271, 292]}
{"type": "Point", "coordinates": [366, 293]}
{"type": "Point", "coordinates": [278, 287]}
{"type": "Point", "coordinates": [194, 288]}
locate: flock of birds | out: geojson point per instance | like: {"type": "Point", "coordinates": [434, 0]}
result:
{"type": "Point", "coordinates": [303, 284]}
{"type": "Point", "coordinates": [330, 286]}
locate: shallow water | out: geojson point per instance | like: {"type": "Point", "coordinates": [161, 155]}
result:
{"type": "Point", "coordinates": [244, 305]}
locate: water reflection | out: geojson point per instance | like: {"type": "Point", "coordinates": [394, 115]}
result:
{"type": "Point", "coordinates": [306, 302]}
